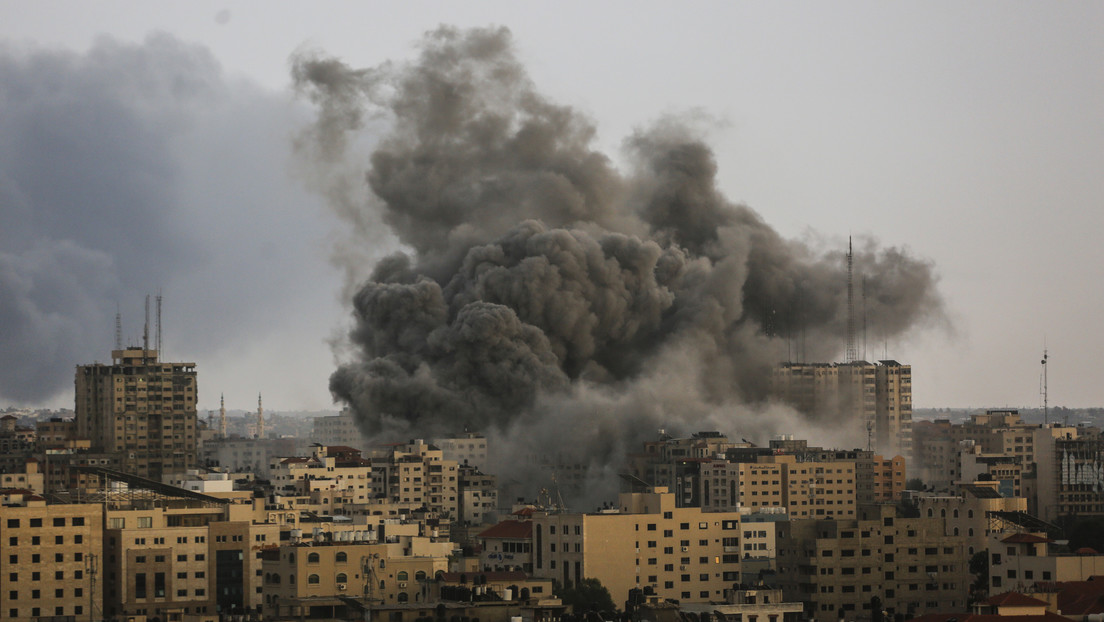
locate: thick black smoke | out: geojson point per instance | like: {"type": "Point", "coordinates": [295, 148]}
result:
{"type": "Point", "coordinates": [552, 300]}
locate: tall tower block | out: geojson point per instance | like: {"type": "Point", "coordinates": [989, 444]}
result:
{"type": "Point", "coordinates": [142, 409]}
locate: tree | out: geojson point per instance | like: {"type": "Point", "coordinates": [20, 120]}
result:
{"type": "Point", "coordinates": [585, 595]}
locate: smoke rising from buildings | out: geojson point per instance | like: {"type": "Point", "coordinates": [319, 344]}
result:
{"type": "Point", "coordinates": [565, 307]}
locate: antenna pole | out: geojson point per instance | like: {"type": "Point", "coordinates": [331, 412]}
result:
{"type": "Point", "coordinates": [863, 287]}
{"type": "Point", "coordinates": [145, 331]}
{"type": "Point", "coordinates": [852, 354]}
{"type": "Point", "coordinates": [1046, 413]}
{"type": "Point", "coordinates": [118, 328]}
{"type": "Point", "coordinates": [159, 324]}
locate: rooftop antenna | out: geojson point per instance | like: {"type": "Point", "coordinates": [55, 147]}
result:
{"type": "Point", "coordinates": [145, 331]}
{"type": "Point", "coordinates": [863, 281]}
{"type": "Point", "coordinates": [852, 353]}
{"type": "Point", "coordinates": [159, 322]}
{"type": "Point", "coordinates": [1046, 413]}
{"type": "Point", "coordinates": [118, 328]}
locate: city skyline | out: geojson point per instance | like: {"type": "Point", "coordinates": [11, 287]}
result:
{"type": "Point", "coordinates": [970, 141]}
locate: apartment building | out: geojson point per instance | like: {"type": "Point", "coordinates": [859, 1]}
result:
{"type": "Point", "coordinates": [875, 396]}
{"type": "Point", "coordinates": [967, 512]}
{"type": "Point", "coordinates": [50, 562]}
{"type": "Point", "coordinates": [680, 553]}
{"type": "Point", "coordinates": [836, 566]}
{"type": "Point", "coordinates": [1018, 561]}
{"type": "Point", "coordinates": [1070, 481]}
{"type": "Point", "coordinates": [507, 546]}
{"type": "Point", "coordinates": [418, 473]}
{"type": "Point", "coordinates": [333, 476]}
{"type": "Point", "coordinates": [890, 477]}
{"type": "Point", "coordinates": [337, 430]}
{"type": "Point", "coordinates": [140, 408]}
{"type": "Point", "coordinates": [311, 579]}
{"type": "Point", "coordinates": [469, 449]}
{"type": "Point", "coordinates": [802, 489]}
{"type": "Point", "coordinates": [30, 477]}
{"type": "Point", "coordinates": [184, 559]}
{"type": "Point", "coordinates": [478, 496]}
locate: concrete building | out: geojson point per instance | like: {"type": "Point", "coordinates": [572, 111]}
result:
{"type": "Point", "coordinates": [141, 408]}
{"type": "Point", "coordinates": [470, 449]}
{"type": "Point", "coordinates": [836, 566]}
{"type": "Point", "coordinates": [1018, 561]}
{"type": "Point", "coordinates": [801, 489]}
{"type": "Point", "coordinates": [312, 579]}
{"type": "Point", "coordinates": [967, 512]}
{"type": "Point", "coordinates": [507, 546]}
{"type": "Point", "coordinates": [417, 473]}
{"type": "Point", "coordinates": [890, 476]}
{"type": "Point", "coordinates": [680, 553]}
{"type": "Point", "coordinates": [478, 496]}
{"type": "Point", "coordinates": [337, 430]}
{"type": "Point", "coordinates": [877, 397]}
{"type": "Point", "coordinates": [51, 561]}
{"type": "Point", "coordinates": [185, 559]}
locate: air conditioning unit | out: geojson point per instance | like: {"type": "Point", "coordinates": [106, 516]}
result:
{"type": "Point", "coordinates": [685, 549]}
{"type": "Point", "coordinates": [402, 585]}
{"type": "Point", "coordinates": [341, 586]}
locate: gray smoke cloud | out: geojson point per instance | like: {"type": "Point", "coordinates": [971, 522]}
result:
{"type": "Point", "coordinates": [130, 169]}
{"type": "Point", "coordinates": [565, 307]}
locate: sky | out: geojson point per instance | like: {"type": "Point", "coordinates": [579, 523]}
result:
{"type": "Point", "coordinates": [147, 147]}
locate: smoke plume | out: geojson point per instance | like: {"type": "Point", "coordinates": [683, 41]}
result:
{"type": "Point", "coordinates": [565, 307]}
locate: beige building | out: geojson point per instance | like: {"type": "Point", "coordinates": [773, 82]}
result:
{"type": "Point", "coordinates": [183, 558]}
{"type": "Point", "coordinates": [876, 396]}
{"type": "Point", "coordinates": [337, 430]}
{"type": "Point", "coordinates": [1019, 561]}
{"type": "Point", "coordinates": [140, 408]}
{"type": "Point", "coordinates": [310, 579]}
{"type": "Point", "coordinates": [50, 564]}
{"type": "Point", "coordinates": [890, 476]}
{"type": "Point", "coordinates": [470, 449]}
{"type": "Point", "coordinates": [966, 513]}
{"type": "Point", "coordinates": [417, 473]}
{"type": "Point", "coordinates": [801, 489]}
{"type": "Point", "coordinates": [681, 553]}
{"type": "Point", "coordinates": [30, 478]}
{"type": "Point", "coordinates": [836, 566]}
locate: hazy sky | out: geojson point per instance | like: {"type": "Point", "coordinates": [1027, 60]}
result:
{"type": "Point", "coordinates": [146, 146]}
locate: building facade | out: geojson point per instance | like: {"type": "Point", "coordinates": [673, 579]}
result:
{"type": "Point", "coordinates": [140, 408]}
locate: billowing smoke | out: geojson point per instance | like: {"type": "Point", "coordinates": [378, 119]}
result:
{"type": "Point", "coordinates": [133, 168]}
{"type": "Point", "coordinates": [565, 307]}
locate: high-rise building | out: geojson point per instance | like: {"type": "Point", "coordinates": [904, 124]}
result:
{"type": "Point", "coordinates": [140, 408]}
{"type": "Point", "coordinates": [878, 395]}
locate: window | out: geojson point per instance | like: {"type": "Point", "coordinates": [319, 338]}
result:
{"type": "Point", "coordinates": [341, 577]}
{"type": "Point", "coordinates": [342, 556]}
{"type": "Point", "coordinates": [59, 522]}
{"type": "Point", "coordinates": [313, 579]}
{"type": "Point", "coordinates": [313, 558]}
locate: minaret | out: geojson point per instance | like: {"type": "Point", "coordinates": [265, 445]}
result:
{"type": "Point", "coordinates": [222, 415]}
{"type": "Point", "coordinates": [260, 418]}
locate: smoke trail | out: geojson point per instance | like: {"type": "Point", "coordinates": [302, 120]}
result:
{"type": "Point", "coordinates": [564, 307]}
